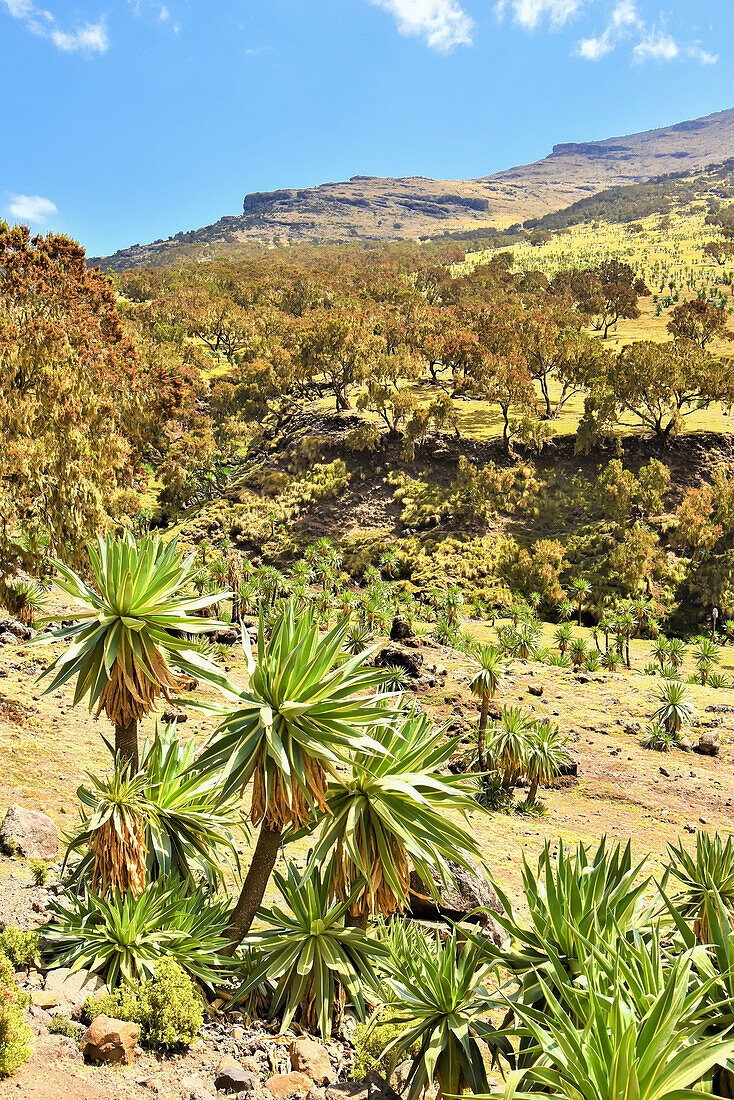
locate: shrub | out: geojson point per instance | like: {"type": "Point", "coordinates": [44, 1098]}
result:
{"type": "Point", "coordinates": [15, 1048]}
{"type": "Point", "coordinates": [39, 871]}
{"type": "Point", "coordinates": [21, 948]}
{"type": "Point", "coordinates": [168, 1007]}
{"type": "Point", "coordinates": [371, 1040]}
{"type": "Point", "coordinates": [62, 1025]}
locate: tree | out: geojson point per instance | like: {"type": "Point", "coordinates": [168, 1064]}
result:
{"type": "Point", "coordinates": [338, 349]}
{"type": "Point", "coordinates": [700, 322]}
{"type": "Point", "coordinates": [287, 730]}
{"type": "Point", "coordinates": [69, 392]}
{"type": "Point", "coordinates": [606, 293]}
{"type": "Point", "coordinates": [657, 384]}
{"type": "Point", "coordinates": [488, 679]}
{"type": "Point", "coordinates": [580, 588]}
{"type": "Point", "coordinates": [720, 251]}
{"type": "Point", "coordinates": [546, 753]}
{"type": "Point", "coordinates": [130, 641]}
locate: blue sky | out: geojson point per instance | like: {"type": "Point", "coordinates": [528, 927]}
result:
{"type": "Point", "coordinates": [128, 120]}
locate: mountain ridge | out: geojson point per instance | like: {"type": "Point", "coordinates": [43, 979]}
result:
{"type": "Point", "coordinates": [385, 208]}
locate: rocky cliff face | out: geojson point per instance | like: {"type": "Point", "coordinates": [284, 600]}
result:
{"type": "Point", "coordinates": [372, 208]}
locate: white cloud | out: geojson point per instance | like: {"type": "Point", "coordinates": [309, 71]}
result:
{"type": "Point", "coordinates": [530, 13]}
{"type": "Point", "coordinates": [31, 208]}
{"type": "Point", "coordinates": [86, 38]}
{"type": "Point", "coordinates": [623, 19]}
{"type": "Point", "coordinates": [443, 24]}
{"type": "Point", "coordinates": [92, 37]}
{"type": "Point", "coordinates": [656, 46]}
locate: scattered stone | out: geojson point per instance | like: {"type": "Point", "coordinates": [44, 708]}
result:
{"type": "Point", "coordinates": [704, 820]}
{"type": "Point", "coordinates": [583, 678]}
{"type": "Point", "coordinates": [535, 689]}
{"type": "Point", "coordinates": [193, 1087]}
{"type": "Point", "coordinates": [173, 713]}
{"type": "Point", "coordinates": [6, 638]}
{"type": "Point", "coordinates": [109, 1040]}
{"type": "Point", "coordinates": [285, 1086]}
{"type": "Point", "coordinates": [685, 744]}
{"type": "Point", "coordinates": [571, 768]}
{"type": "Point", "coordinates": [18, 631]}
{"type": "Point", "coordinates": [29, 833]}
{"type": "Point", "coordinates": [312, 1058]}
{"type": "Point", "coordinates": [230, 1076]}
{"type": "Point", "coordinates": [709, 743]}
{"type": "Point", "coordinates": [665, 772]}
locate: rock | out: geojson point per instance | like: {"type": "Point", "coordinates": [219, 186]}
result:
{"type": "Point", "coordinates": [709, 743]}
{"type": "Point", "coordinates": [401, 630]}
{"type": "Point", "coordinates": [45, 998]}
{"type": "Point", "coordinates": [229, 636]}
{"type": "Point", "coordinates": [583, 678]}
{"type": "Point", "coordinates": [6, 638]}
{"type": "Point", "coordinates": [284, 1086]}
{"type": "Point", "coordinates": [685, 744]}
{"type": "Point", "coordinates": [172, 713]}
{"type": "Point", "coordinates": [74, 988]}
{"type": "Point", "coordinates": [348, 1090]}
{"type": "Point", "coordinates": [408, 659]}
{"type": "Point", "coordinates": [109, 1040]}
{"type": "Point", "coordinates": [193, 1087]}
{"type": "Point", "coordinates": [665, 772]}
{"type": "Point", "coordinates": [29, 833]}
{"type": "Point", "coordinates": [571, 768]}
{"type": "Point", "coordinates": [470, 891]}
{"type": "Point", "coordinates": [230, 1076]}
{"type": "Point", "coordinates": [349, 1025]}
{"type": "Point", "coordinates": [535, 689]}
{"type": "Point", "coordinates": [17, 630]}
{"type": "Point", "coordinates": [312, 1058]}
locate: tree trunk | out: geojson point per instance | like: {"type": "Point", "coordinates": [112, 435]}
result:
{"type": "Point", "coordinates": [533, 792]}
{"type": "Point", "coordinates": [358, 920]}
{"type": "Point", "coordinates": [126, 745]}
{"type": "Point", "coordinates": [482, 736]}
{"type": "Point", "coordinates": [253, 888]}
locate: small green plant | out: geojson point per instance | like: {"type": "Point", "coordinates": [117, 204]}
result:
{"type": "Point", "coordinates": [15, 1047]}
{"type": "Point", "coordinates": [62, 1025]}
{"type": "Point", "coordinates": [371, 1040]}
{"type": "Point", "coordinates": [20, 947]}
{"type": "Point", "coordinates": [39, 871]}
{"type": "Point", "coordinates": [168, 1007]}
{"type": "Point", "coordinates": [660, 739]}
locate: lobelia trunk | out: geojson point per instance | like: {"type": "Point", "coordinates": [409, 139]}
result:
{"type": "Point", "coordinates": [126, 745]}
{"type": "Point", "coordinates": [482, 735]}
{"type": "Point", "coordinates": [253, 888]}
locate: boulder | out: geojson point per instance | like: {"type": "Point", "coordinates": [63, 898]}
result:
{"type": "Point", "coordinates": [6, 638]}
{"type": "Point", "coordinates": [230, 1076]}
{"type": "Point", "coordinates": [45, 998]}
{"type": "Point", "coordinates": [535, 689]}
{"type": "Point", "coordinates": [470, 890]}
{"type": "Point", "coordinates": [312, 1058]}
{"type": "Point", "coordinates": [29, 833]}
{"type": "Point", "coordinates": [398, 655]}
{"type": "Point", "coordinates": [709, 743]}
{"type": "Point", "coordinates": [401, 630]}
{"type": "Point", "coordinates": [74, 988]}
{"type": "Point", "coordinates": [285, 1086]}
{"type": "Point", "coordinates": [109, 1040]}
{"type": "Point", "coordinates": [18, 630]}
{"type": "Point", "coordinates": [227, 636]}
{"type": "Point", "coordinates": [348, 1090]}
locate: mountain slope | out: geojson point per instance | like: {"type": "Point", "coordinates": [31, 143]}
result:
{"type": "Point", "coordinates": [373, 208]}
